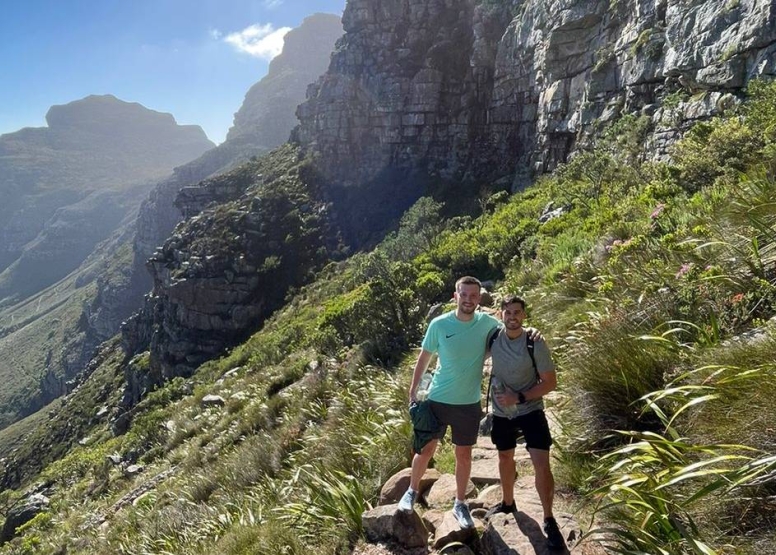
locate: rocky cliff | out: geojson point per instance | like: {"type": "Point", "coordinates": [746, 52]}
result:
{"type": "Point", "coordinates": [471, 90]}
{"type": "Point", "coordinates": [226, 267]}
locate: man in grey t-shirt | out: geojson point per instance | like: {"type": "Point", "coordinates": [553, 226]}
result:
{"type": "Point", "coordinates": [519, 383]}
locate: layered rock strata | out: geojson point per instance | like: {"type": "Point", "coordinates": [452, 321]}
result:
{"type": "Point", "coordinates": [466, 90]}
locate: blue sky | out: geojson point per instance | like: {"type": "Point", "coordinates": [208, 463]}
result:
{"type": "Point", "coordinates": [193, 58]}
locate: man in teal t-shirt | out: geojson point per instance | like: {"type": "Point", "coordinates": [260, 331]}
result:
{"type": "Point", "coordinates": [458, 337]}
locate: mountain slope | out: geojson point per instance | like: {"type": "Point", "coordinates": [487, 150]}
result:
{"type": "Point", "coordinates": [638, 271]}
{"type": "Point", "coordinates": [96, 144]}
{"type": "Point", "coordinates": [66, 188]}
{"type": "Point", "coordinates": [105, 289]}
{"type": "Point", "coordinates": [283, 442]}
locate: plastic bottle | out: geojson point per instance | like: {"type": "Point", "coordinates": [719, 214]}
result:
{"type": "Point", "coordinates": [423, 387]}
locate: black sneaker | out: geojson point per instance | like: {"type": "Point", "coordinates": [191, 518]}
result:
{"type": "Point", "coordinates": [554, 537]}
{"type": "Point", "coordinates": [501, 508]}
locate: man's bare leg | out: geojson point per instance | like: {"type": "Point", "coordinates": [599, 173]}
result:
{"type": "Point", "coordinates": [507, 471]}
{"type": "Point", "coordinates": [545, 483]}
{"type": "Point", "coordinates": [420, 463]}
{"type": "Point", "coordinates": [463, 469]}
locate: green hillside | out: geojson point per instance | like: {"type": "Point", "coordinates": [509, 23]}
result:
{"type": "Point", "coordinates": [655, 283]}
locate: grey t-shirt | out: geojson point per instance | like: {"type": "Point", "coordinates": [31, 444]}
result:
{"type": "Point", "coordinates": [512, 368]}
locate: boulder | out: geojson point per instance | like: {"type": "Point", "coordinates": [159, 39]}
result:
{"type": "Point", "coordinates": [397, 484]}
{"type": "Point", "coordinates": [484, 468]}
{"type": "Point", "coordinates": [388, 523]}
{"type": "Point", "coordinates": [442, 493]}
{"type": "Point", "coordinates": [213, 401]}
{"type": "Point", "coordinates": [133, 470]}
{"type": "Point", "coordinates": [522, 532]}
{"type": "Point", "coordinates": [449, 531]}
{"type": "Point", "coordinates": [21, 514]}
{"type": "Point", "coordinates": [486, 299]}
{"type": "Point", "coordinates": [432, 519]}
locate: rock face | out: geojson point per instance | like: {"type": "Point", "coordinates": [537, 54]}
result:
{"type": "Point", "coordinates": [21, 514]}
{"type": "Point", "coordinates": [268, 113]}
{"type": "Point", "coordinates": [226, 269]}
{"type": "Point", "coordinates": [387, 522]}
{"type": "Point", "coordinates": [470, 91]}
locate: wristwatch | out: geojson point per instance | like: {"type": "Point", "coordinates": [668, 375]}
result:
{"type": "Point", "coordinates": [520, 397]}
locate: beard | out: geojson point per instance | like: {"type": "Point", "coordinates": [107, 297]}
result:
{"type": "Point", "coordinates": [467, 310]}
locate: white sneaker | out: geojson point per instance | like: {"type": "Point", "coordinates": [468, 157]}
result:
{"type": "Point", "coordinates": [408, 500]}
{"type": "Point", "coordinates": [462, 515]}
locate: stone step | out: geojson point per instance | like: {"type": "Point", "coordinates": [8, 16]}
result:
{"type": "Point", "coordinates": [522, 532]}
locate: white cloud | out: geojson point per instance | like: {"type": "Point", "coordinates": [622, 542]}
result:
{"type": "Point", "coordinates": [272, 4]}
{"type": "Point", "coordinates": [261, 41]}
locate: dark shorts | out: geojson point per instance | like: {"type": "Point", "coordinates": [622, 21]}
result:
{"type": "Point", "coordinates": [533, 426]}
{"type": "Point", "coordinates": [463, 419]}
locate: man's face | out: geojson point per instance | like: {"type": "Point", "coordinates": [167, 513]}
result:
{"type": "Point", "coordinates": [513, 315]}
{"type": "Point", "coordinates": [467, 297]}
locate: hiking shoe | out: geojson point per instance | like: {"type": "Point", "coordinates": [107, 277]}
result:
{"type": "Point", "coordinates": [501, 508]}
{"type": "Point", "coordinates": [554, 537]}
{"type": "Point", "coordinates": [408, 500]}
{"type": "Point", "coordinates": [462, 515]}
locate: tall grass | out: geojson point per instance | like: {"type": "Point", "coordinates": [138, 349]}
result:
{"type": "Point", "coordinates": [659, 488]}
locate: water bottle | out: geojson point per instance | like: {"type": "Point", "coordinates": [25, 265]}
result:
{"type": "Point", "coordinates": [425, 383]}
{"type": "Point", "coordinates": [498, 387]}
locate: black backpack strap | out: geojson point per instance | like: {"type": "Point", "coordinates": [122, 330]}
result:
{"type": "Point", "coordinates": [487, 395]}
{"type": "Point", "coordinates": [491, 339]}
{"type": "Point", "coordinates": [529, 343]}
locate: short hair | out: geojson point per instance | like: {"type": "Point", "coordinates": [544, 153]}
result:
{"type": "Point", "coordinates": [512, 299]}
{"type": "Point", "coordinates": [468, 280]}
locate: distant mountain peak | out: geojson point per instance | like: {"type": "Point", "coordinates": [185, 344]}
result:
{"type": "Point", "coordinates": [108, 113]}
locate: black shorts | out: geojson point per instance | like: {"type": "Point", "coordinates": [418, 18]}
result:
{"type": "Point", "coordinates": [463, 419]}
{"type": "Point", "coordinates": [533, 426]}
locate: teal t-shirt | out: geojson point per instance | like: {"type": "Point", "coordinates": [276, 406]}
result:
{"type": "Point", "coordinates": [461, 349]}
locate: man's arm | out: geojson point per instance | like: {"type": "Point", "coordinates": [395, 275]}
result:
{"type": "Point", "coordinates": [548, 383]}
{"type": "Point", "coordinates": [420, 366]}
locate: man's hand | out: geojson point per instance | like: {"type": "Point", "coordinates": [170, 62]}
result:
{"type": "Point", "coordinates": [534, 334]}
{"type": "Point", "coordinates": [506, 399]}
